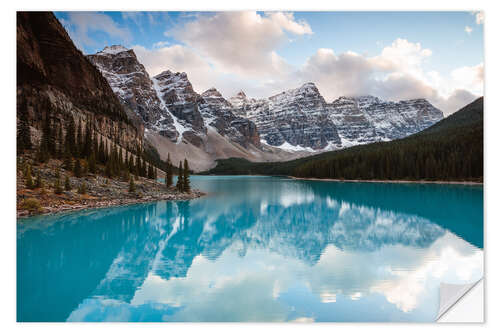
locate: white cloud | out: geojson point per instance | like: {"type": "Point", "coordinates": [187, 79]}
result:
{"type": "Point", "coordinates": [202, 74]}
{"type": "Point", "coordinates": [237, 50]}
{"type": "Point", "coordinates": [139, 18]}
{"type": "Point", "coordinates": [402, 55]}
{"type": "Point", "coordinates": [397, 73]}
{"type": "Point", "coordinates": [468, 29]}
{"type": "Point", "coordinates": [134, 16]}
{"type": "Point", "coordinates": [469, 78]}
{"type": "Point", "coordinates": [242, 42]}
{"type": "Point", "coordinates": [175, 57]}
{"type": "Point", "coordinates": [79, 24]}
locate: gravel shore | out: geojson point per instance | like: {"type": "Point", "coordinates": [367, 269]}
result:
{"type": "Point", "coordinates": [100, 192]}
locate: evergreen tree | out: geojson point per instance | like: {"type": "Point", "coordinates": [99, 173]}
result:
{"type": "Point", "coordinates": [42, 154]}
{"type": "Point", "coordinates": [38, 181]}
{"type": "Point", "coordinates": [125, 175]}
{"type": "Point", "coordinates": [57, 186]}
{"type": "Point", "coordinates": [95, 148]}
{"type": "Point", "coordinates": [92, 163]}
{"type": "Point", "coordinates": [112, 159]}
{"type": "Point", "coordinates": [120, 158]}
{"type": "Point", "coordinates": [138, 165]}
{"type": "Point", "coordinates": [70, 137]}
{"type": "Point", "coordinates": [79, 140]}
{"type": "Point", "coordinates": [77, 170]}
{"type": "Point", "coordinates": [180, 182]}
{"type": "Point", "coordinates": [151, 171]}
{"type": "Point", "coordinates": [51, 134]}
{"type": "Point", "coordinates": [87, 143]}
{"type": "Point", "coordinates": [186, 184]}
{"type": "Point", "coordinates": [82, 189]}
{"type": "Point", "coordinates": [68, 163]}
{"type": "Point", "coordinates": [85, 168]}
{"type": "Point", "coordinates": [131, 167]}
{"type": "Point", "coordinates": [169, 173]}
{"type": "Point", "coordinates": [29, 179]}
{"type": "Point", "coordinates": [106, 155]}
{"type": "Point", "coordinates": [101, 151]}
{"type": "Point", "coordinates": [144, 168]}
{"type": "Point", "coordinates": [60, 140]}
{"type": "Point", "coordinates": [67, 184]}
{"type": "Point", "coordinates": [23, 129]}
{"type": "Point", "coordinates": [131, 185]}
{"type": "Point", "coordinates": [108, 169]}
{"type": "Point", "coordinates": [43, 149]}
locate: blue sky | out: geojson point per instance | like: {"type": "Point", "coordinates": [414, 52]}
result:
{"type": "Point", "coordinates": [264, 53]}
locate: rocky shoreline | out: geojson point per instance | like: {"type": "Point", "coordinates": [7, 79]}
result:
{"type": "Point", "coordinates": [96, 203]}
{"type": "Point", "coordinates": [101, 192]}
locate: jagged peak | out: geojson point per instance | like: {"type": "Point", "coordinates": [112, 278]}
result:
{"type": "Point", "coordinates": [360, 98]}
{"type": "Point", "coordinates": [365, 97]}
{"type": "Point", "coordinates": [241, 94]}
{"type": "Point", "coordinates": [308, 85]}
{"type": "Point", "coordinates": [169, 73]}
{"type": "Point", "coordinates": [417, 100]}
{"type": "Point", "coordinates": [212, 92]}
{"type": "Point", "coordinates": [114, 49]}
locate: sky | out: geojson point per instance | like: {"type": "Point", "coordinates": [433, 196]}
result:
{"type": "Point", "coordinates": [391, 55]}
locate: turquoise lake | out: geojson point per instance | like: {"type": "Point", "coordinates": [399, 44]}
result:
{"type": "Point", "coordinates": [255, 249]}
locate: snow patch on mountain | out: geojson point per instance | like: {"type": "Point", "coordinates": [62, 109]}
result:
{"type": "Point", "coordinates": [113, 49]}
{"type": "Point", "coordinates": [178, 126]}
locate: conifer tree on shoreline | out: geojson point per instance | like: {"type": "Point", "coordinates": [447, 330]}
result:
{"type": "Point", "coordinates": [131, 186]}
{"type": "Point", "coordinates": [29, 179]}
{"type": "Point", "coordinates": [186, 184]}
{"type": "Point", "coordinates": [180, 182]}
{"type": "Point", "coordinates": [67, 184]}
{"type": "Point", "coordinates": [168, 173]}
{"type": "Point", "coordinates": [77, 170]}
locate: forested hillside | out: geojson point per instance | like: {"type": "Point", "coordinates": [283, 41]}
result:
{"type": "Point", "coordinates": [452, 149]}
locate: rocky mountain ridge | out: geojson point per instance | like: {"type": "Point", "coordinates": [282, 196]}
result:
{"type": "Point", "coordinates": [167, 102]}
{"type": "Point", "coordinates": [301, 118]}
{"type": "Point", "coordinates": [296, 120]}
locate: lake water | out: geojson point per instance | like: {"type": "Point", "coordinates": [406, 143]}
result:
{"type": "Point", "coordinates": [255, 249]}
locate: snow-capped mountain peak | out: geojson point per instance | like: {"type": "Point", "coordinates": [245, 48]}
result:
{"type": "Point", "coordinates": [113, 49]}
{"type": "Point", "coordinates": [299, 119]}
{"type": "Point", "coordinates": [212, 92]}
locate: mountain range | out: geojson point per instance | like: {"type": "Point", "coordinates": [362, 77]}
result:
{"type": "Point", "coordinates": [114, 91]}
{"type": "Point", "coordinates": [450, 150]}
{"type": "Point", "coordinates": [294, 123]}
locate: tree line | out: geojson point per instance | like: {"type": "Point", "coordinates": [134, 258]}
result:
{"type": "Point", "coordinates": [84, 151]}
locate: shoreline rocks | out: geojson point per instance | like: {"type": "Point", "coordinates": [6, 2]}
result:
{"type": "Point", "coordinates": [107, 203]}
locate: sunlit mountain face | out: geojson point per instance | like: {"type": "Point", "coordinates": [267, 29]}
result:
{"type": "Point", "coordinates": [255, 249]}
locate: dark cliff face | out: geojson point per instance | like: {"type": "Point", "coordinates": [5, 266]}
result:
{"type": "Point", "coordinates": [47, 56]}
{"type": "Point", "coordinates": [52, 72]}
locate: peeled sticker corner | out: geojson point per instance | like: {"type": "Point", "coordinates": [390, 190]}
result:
{"type": "Point", "coordinates": [451, 294]}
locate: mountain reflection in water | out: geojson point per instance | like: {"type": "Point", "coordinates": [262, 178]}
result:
{"type": "Point", "coordinates": [255, 249]}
